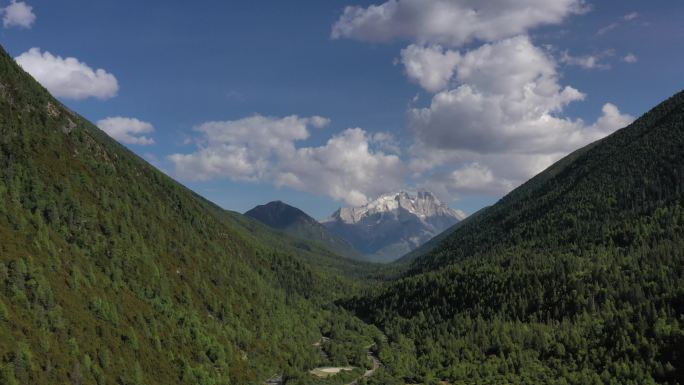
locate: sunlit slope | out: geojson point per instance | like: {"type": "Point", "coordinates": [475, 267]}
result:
{"type": "Point", "coordinates": [111, 272]}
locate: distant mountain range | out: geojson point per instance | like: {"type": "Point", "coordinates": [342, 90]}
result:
{"type": "Point", "coordinates": [393, 224]}
{"type": "Point", "coordinates": [381, 231]}
{"type": "Point", "coordinates": [297, 223]}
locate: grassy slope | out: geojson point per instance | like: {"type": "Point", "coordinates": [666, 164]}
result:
{"type": "Point", "coordinates": [111, 272]}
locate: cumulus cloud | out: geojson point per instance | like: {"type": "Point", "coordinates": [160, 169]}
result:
{"type": "Point", "coordinates": [127, 130]}
{"type": "Point", "coordinates": [496, 116]}
{"type": "Point", "coordinates": [18, 14]}
{"type": "Point", "coordinates": [473, 173]}
{"type": "Point", "coordinates": [386, 142]}
{"type": "Point", "coordinates": [610, 120]}
{"type": "Point", "coordinates": [68, 77]}
{"type": "Point", "coordinates": [348, 167]}
{"type": "Point", "coordinates": [497, 113]}
{"type": "Point", "coordinates": [472, 177]}
{"type": "Point", "coordinates": [432, 67]}
{"type": "Point", "coordinates": [506, 100]}
{"type": "Point", "coordinates": [450, 22]}
{"type": "Point", "coordinates": [503, 122]}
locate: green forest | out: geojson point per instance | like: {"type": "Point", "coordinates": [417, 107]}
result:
{"type": "Point", "coordinates": [113, 273]}
{"type": "Point", "coordinates": [576, 277]}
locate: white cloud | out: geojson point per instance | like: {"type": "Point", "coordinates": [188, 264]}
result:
{"type": "Point", "coordinates": [626, 18]}
{"type": "Point", "coordinates": [496, 117]}
{"type": "Point", "coordinates": [347, 167]}
{"type": "Point", "coordinates": [68, 77]}
{"type": "Point", "coordinates": [432, 67]}
{"type": "Point", "coordinates": [609, 121]}
{"type": "Point", "coordinates": [630, 58]}
{"type": "Point", "coordinates": [386, 142]}
{"type": "Point", "coordinates": [450, 22]}
{"type": "Point", "coordinates": [506, 99]}
{"type": "Point", "coordinates": [127, 130]}
{"type": "Point", "coordinates": [18, 14]}
{"type": "Point", "coordinates": [503, 122]}
{"type": "Point", "coordinates": [471, 177]}
{"type": "Point", "coordinates": [497, 114]}
{"type": "Point", "coordinates": [594, 61]}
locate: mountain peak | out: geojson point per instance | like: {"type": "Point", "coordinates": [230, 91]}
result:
{"type": "Point", "coordinates": [423, 204]}
{"type": "Point", "coordinates": [393, 224]}
{"type": "Point", "coordinates": [297, 223]}
{"type": "Point", "coordinates": [278, 214]}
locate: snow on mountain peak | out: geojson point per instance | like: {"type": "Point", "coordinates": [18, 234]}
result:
{"type": "Point", "coordinates": [423, 204]}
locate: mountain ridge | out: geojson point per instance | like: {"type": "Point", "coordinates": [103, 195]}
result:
{"type": "Point", "coordinates": [297, 223]}
{"type": "Point", "coordinates": [571, 277]}
{"type": "Point", "coordinates": [393, 224]}
{"type": "Point", "coordinates": [112, 272]}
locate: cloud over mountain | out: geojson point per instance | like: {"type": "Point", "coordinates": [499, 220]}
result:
{"type": "Point", "coordinates": [351, 166]}
{"type": "Point", "coordinates": [127, 130]}
{"type": "Point", "coordinates": [68, 77]}
{"type": "Point", "coordinates": [497, 110]}
{"type": "Point", "coordinates": [505, 109]}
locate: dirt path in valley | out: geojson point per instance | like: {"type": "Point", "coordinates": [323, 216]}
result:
{"type": "Point", "coordinates": [369, 372]}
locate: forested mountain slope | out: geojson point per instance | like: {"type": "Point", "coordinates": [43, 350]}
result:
{"type": "Point", "coordinates": [588, 197]}
{"type": "Point", "coordinates": [430, 245]}
{"type": "Point", "coordinates": [112, 273]}
{"type": "Point", "coordinates": [576, 277]}
{"type": "Point", "coordinates": [299, 224]}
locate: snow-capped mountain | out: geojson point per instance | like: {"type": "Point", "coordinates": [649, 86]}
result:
{"type": "Point", "coordinates": [393, 224]}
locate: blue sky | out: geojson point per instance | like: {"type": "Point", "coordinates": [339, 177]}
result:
{"type": "Point", "coordinates": [323, 106]}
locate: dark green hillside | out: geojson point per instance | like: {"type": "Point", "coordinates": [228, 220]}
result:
{"type": "Point", "coordinates": [297, 223]}
{"type": "Point", "coordinates": [430, 245]}
{"type": "Point", "coordinates": [112, 273]}
{"type": "Point", "coordinates": [586, 198]}
{"type": "Point", "coordinates": [576, 277]}
{"type": "Point", "coordinates": [277, 214]}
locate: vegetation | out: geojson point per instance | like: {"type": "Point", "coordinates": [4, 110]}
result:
{"type": "Point", "coordinates": [577, 277]}
{"type": "Point", "coordinates": [298, 224]}
{"type": "Point", "coordinates": [111, 272]}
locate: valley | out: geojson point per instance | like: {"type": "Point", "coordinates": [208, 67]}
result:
{"type": "Point", "coordinates": [111, 272]}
